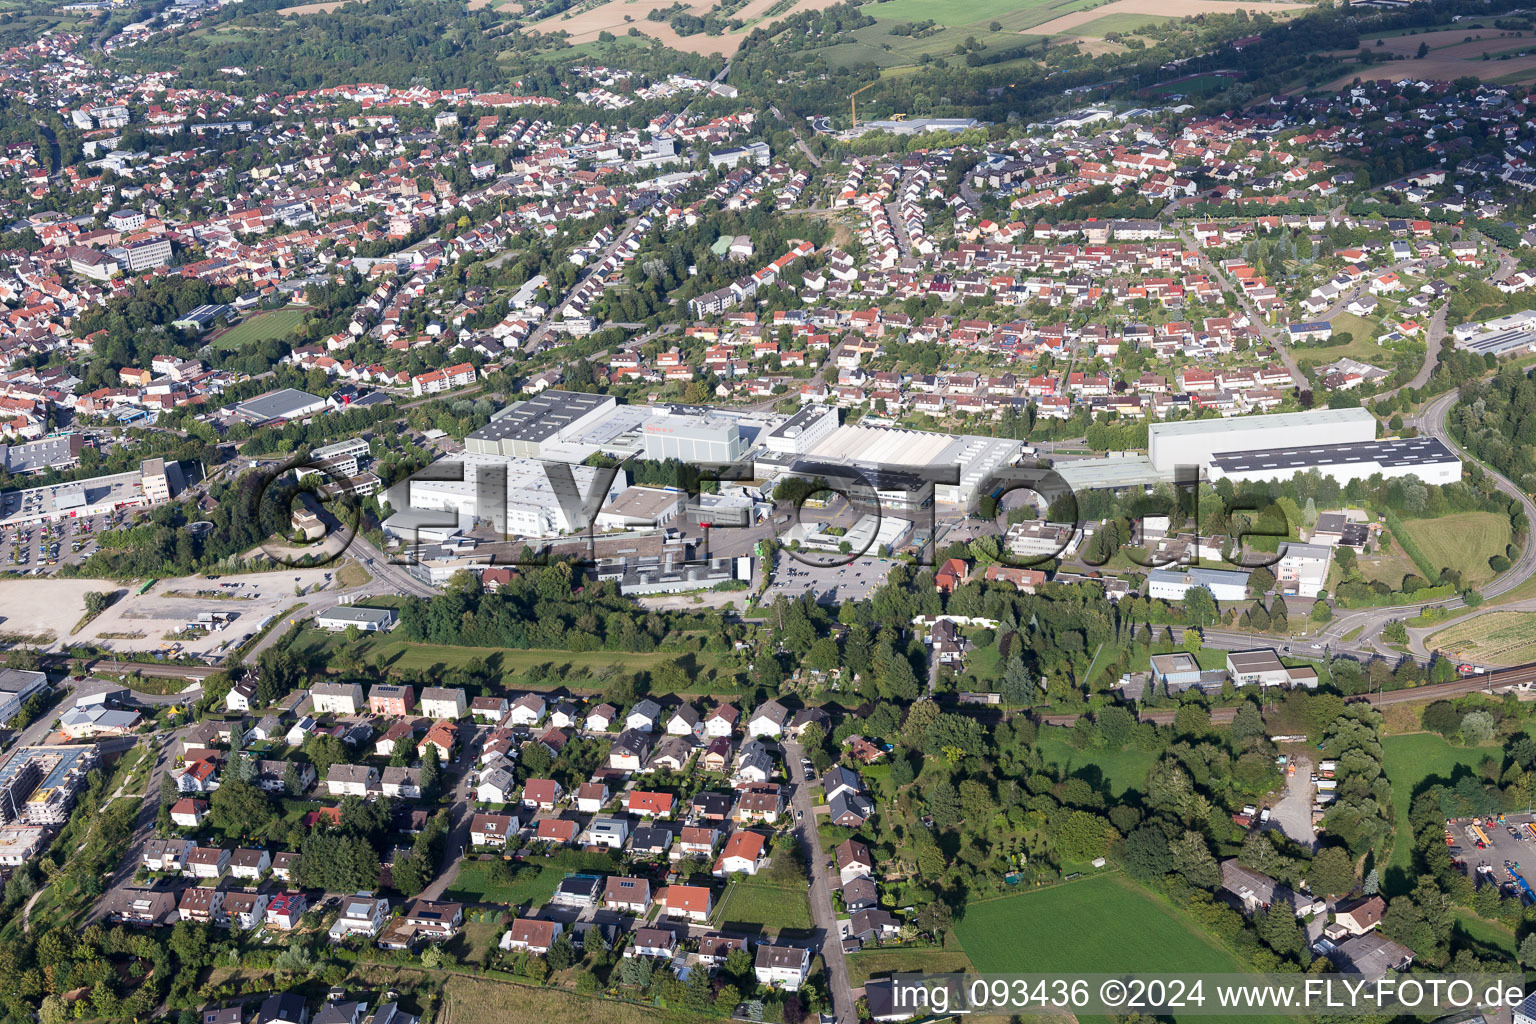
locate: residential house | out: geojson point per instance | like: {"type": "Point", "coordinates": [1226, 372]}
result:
{"type": "Point", "coordinates": [742, 854]}
{"type": "Point", "coordinates": [443, 702]}
{"type": "Point", "coordinates": [632, 895]}
{"type": "Point", "coordinates": [351, 779]}
{"type": "Point", "coordinates": [491, 829]}
{"type": "Point", "coordinates": [360, 915]}
{"type": "Point", "coordinates": [531, 934]}
{"type": "Point", "coordinates": [691, 902]}
{"type": "Point", "coordinates": [768, 720]}
{"type": "Point", "coordinates": [782, 966]}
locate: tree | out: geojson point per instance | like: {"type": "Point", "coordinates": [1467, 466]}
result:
{"type": "Point", "coordinates": [1477, 727]}
{"type": "Point", "coordinates": [1528, 950]}
{"type": "Point", "coordinates": [1199, 605]}
{"type": "Point", "coordinates": [561, 953]}
{"type": "Point", "coordinates": [1145, 853]}
{"type": "Point", "coordinates": [1017, 689]}
{"type": "Point", "coordinates": [1192, 859]}
{"type": "Point", "coordinates": [1332, 872]}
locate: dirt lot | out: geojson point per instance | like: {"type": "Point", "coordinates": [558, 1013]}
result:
{"type": "Point", "coordinates": [1167, 8]}
{"type": "Point", "coordinates": [157, 613]}
{"type": "Point", "coordinates": [585, 25]}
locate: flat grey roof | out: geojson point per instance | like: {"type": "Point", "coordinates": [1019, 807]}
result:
{"type": "Point", "coordinates": [1408, 451]}
{"type": "Point", "coordinates": [1270, 421]}
{"type": "Point", "coordinates": [540, 417]}
{"type": "Point", "coordinates": [277, 405]}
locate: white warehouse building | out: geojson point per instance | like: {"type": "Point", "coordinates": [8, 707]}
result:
{"type": "Point", "coordinates": [693, 439]}
{"type": "Point", "coordinates": [1173, 584]}
{"type": "Point", "coordinates": [519, 496]}
{"type": "Point", "coordinates": [1424, 457]}
{"type": "Point", "coordinates": [1197, 442]}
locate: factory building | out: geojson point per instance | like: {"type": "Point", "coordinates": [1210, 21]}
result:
{"type": "Point", "coordinates": [1197, 442]}
{"type": "Point", "coordinates": [1173, 584]}
{"type": "Point", "coordinates": [1424, 457]}
{"type": "Point", "coordinates": [803, 431]}
{"type": "Point", "coordinates": [522, 496]}
{"type": "Point", "coordinates": [693, 439]}
{"type": "Point", "coordinates": [523, 430]}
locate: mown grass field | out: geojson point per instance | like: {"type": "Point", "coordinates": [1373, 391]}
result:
{"type": "Point", "coordinates": [1409, 760]}
{"type": "Point", "coordinates": [534, 883]}
{"type": "Point", "coordinates": [1471, 930]}
{"type": "Point", "coordinates": [402, 655]}
{"type": "Point", "coordinates": [756, 902]}
{"type": "Point", "coordinates": [1121, 769]}
{"type": "Point", "coordinates": [1101, 924]}
{"type": "Point", "coordinates": [1463, 541]}
{"type": "Point", "coordinates": [1497, 638]}
{"type": "Point", "coordinates": [877, 963]}
{"type": "Point", "coordinates": [259, 327]}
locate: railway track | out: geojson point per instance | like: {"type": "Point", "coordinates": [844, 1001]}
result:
{"type": "Point", "coordinates": [1489, 681]}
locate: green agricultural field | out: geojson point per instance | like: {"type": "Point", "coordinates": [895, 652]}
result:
{"type": "Point", "coordinates": [1498, 638]}
{"type": "Point", "coordinates": [1122, 24]}
{"type": "Point", "coordinates": [259, 327]}
{"type": "Point", "coordinates": [1464, 541]}
{"type": "Point", "coordinates": [1102, 924]}
{"type": "Point", "coordinates": [1121, 769]}
{"type": "Point", "coordinates": [958, 23]}
{"type": "Point", "coordinates": [751, 903]}
{"type": "Point", "coordinates": [1409, 760]}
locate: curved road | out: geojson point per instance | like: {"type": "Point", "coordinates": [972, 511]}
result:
{"type": "Point", "coordinates": [1432, 422]}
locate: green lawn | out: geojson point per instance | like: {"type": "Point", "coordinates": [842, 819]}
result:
{"type": "Point", "coordinates": [1464, 541]}
{"type": "Point", "coordinates": [879, 962]}
{"type": "Point", "coordinates": [1122, 769]}
{"type": "Point", "coordinates": [1409, 760]}
{"type": "Point", "coordinates": [1471, 930]}
{"type": "Point", "coordinates": [1102, 924]}
{"type": "Point", "coordinates": [259, 327]}
{"type": "Point", "coordinates": [534, 883]}
{"type": "Point", "coordinates": [750, 903]}
{"type": "Point", "coordinates": [402, 655]}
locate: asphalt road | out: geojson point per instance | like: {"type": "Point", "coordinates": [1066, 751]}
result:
{"type": "Point", "coordinates": [822, 914]}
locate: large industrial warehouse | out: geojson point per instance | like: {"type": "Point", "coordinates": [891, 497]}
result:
{"type": "Point", "coordinates": [1197, 442]}
{"type": "Point", "coordinates": [1424, 457]}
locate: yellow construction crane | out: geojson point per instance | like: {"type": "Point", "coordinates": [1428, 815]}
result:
{"type": "Point", "coordinates": [853, 107]}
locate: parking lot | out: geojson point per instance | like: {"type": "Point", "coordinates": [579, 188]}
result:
{"type": "Point", "coordinates": [39, 549]}
{"type": "Point", "coordinates": [1488, 843]}
{"type": "Point", "coordinates": [832, 584]}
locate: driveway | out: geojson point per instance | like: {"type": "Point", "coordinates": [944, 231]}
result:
{"type": "Point", "coordinates": [1292, 813]}
{"type": "Point", "coordinates": [822, 914]}
{"type": "Point", "coordinates": [460, 774]}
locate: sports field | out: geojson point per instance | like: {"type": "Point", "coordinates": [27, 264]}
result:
{"type": "Point", "coordinates": [1464, 541]}
{"type": "Point", "coordinates": [1102, 924]}
{"type": "Point", "coordinates": [258, 327]}
{"type": "Point", "coordinates": [1409, 760]}
{"type": "Point", "coordinates": [1495, 638]}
